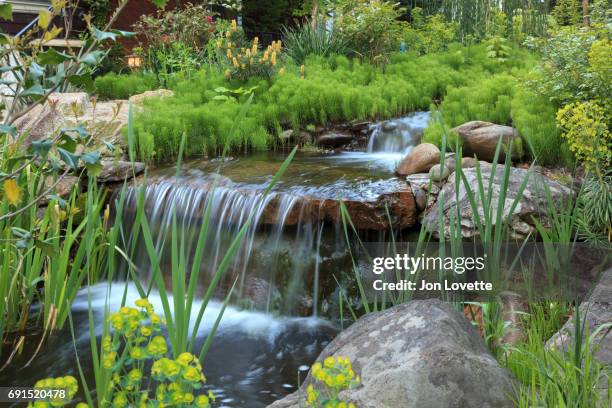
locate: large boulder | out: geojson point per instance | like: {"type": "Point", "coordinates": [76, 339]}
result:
{"type": "Point", "coordinates": [103, 119]}
{"type": "Point", "coordinates": [422, 158]}
{"type": "Point", "coordinates": [532, 202]}
{"type": "Point", "coordinates": [595, 310]}
{"type": "Point", "coordinates": [420, 354]}
{"type": "Point", "coordinates": [425, 190]}
{"type": "Point", "coordinates": [481, 138]}
{"type": "Point", "coordinates": [157, 93]}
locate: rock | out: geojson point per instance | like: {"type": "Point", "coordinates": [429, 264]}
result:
{"type": "Point", "coordinates": [450, 163]}
{"type": "Point", "coordinates": [68, 103]}
{"type": "Point", "coordinates": [103, 120]}
{"type": "Point", "coordinates": [287, 135]}
{"type": "Point", "coordinates": [419, 354]}
{"type": "Point", "coordinates": [259, 292]}
{"type": "Point", "coordinates": [425, 191]}
{"type": "Point", "coordinates": [597, 309]}
{"type": "Point", "coordinates": [389, 125]}
{"type": "Point", "coordinates": [290, 136]}
{"type": "Point", "coordinates": [422, 158]}
{"type": "Point", "coordinates": [157, 93]}
{"type": "Point", "coordinates": [62, 189]}
{"type": "Point", "coordinates": [532, 202]}
{"type": "Point", "coordinates": [439, 173]}
{"type": "Point", "coordinates": [481, 138]}
{"type": "Point", "coordinates": [468, 162]}
{"type": "Point", "coordinates": [334, 139]}
{"type": "Point", "coordinates": [368, 214]}
{"type": "Point", "coordinates": [114, 171]}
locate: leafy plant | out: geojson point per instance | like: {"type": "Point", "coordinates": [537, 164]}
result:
{"type": "Point", "coordinates": [498, 49]}
{"type": "Point", "coordinates": [371, 28]}
{"type": "Point", "coordinates": [585, 127]}
{"type": "Point", "coordinates": [313, 39]}
{"type": "Point", "coordinates": [427, 34]}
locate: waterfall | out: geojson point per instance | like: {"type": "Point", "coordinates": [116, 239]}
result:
{"type": "Point", "coordinates": [398, 135]}
{"type": "Point", "coordinates": [281, 247]}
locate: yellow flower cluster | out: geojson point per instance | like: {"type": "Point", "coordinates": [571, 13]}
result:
{"type": "Point", "coordinates": [137, 338]}
{"type": "Point", "coordinates": [68, 384]}
{"type": "Point", "coordinates": [585, 129]}
{"type": "Point", "coordinates": [246, 59]}
{"type": "Point", "coordinates": [334, 375]}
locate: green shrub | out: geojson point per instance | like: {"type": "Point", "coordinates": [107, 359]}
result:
{"type": "Point", "coordinates": [307, 40]}
{"type": "Point", "coordinates": [503, 100]}
{"type": "Point", "coordinates": [372, 28]}
{"type": "Point", "coordinates": [122, 86]}
{"type": "Point", "coordinates": [428, 34]}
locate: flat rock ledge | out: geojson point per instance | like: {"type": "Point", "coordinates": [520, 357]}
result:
{"type": "Point", "coordinates": [532, 201]}
{"type": "Point", "coordinates": [421, 354]}
{"type": "Point", "coordinates": [393, 206]}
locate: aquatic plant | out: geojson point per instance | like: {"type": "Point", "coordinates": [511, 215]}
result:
{"type": "Point", "coordinates": [552, 376]}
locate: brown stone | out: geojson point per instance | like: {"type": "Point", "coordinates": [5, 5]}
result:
{"type": "Point", "coordinates": [422, 158]}
{"type": "Point", "coordinates": [481, 138]}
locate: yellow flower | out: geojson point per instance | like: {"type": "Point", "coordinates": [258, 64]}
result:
{"type": "Point", "coordinates": [12, 191]}
{"type": "Point", "coordinates": [143, 303]}
{"type": "Point", "coordinates": [281, 71]}
{"type": "Point", "coordinates": [192, 374]}
{"type": "Point", "coordinates": [185, 358]}
{"type": "Point", "coordinates": [202, 401]}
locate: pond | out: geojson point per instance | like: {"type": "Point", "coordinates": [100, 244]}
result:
{"type": "Point", "coordinates": [288, 265]}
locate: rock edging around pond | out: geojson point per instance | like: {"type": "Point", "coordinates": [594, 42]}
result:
{"type": "Point", "coordinates": [419, 354]}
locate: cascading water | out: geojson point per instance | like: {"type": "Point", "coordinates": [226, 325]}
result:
{"type": "Point", "coordinates": [398, 135]}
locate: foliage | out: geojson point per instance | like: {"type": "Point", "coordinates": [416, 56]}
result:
{"type": "Point", "coordinates": [594, 209]}
{"type": "Point", "coordinates": [46, 258]}
{"type": "Point", "coordinates": [268, 16]}
{"type": "Point", "coordinates": [122, 86]}
{"type": "Point", "coordinates": [137, 344]}
{"type": "Point", "coordinates": [586, 129]}
{"type": "Point", "coordinates": [333, 376]}
{"type": "Point", "coordinates": [503, 100]}
{"type": "Point", "coordinates": [309, 39]}
{"type": "Point", "coordinates": [477, 20]}
{"type": "Point", "coordinates": [550, 376]}
{"type": "Point", "coordinates": [575, 66]}
{"type": "Point", "coordinates": [371, 27]}
{"type": "Point", "coordinates": [191, 26]}
{"type": "Point", "coordinates": [498, 49]}
{"type": "Point", "coordinates": [427, 34]}
{"type": "Point", "coordinates": [567, 12]}
{"type": "Point", "coordinates": [329, 89]}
